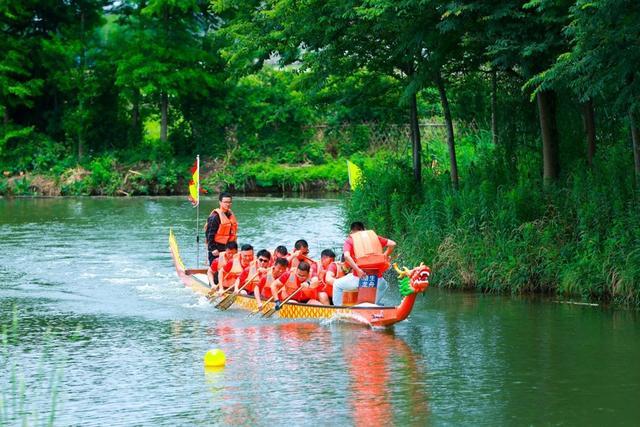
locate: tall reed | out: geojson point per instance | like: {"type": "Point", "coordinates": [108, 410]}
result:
{"type": "Point", "coordinates": [25, 399]}
{"type": "Point", "coordinates": [504, 231]}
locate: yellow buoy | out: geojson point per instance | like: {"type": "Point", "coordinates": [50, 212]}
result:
{"type": "Point", "coordinates": [214, 358]}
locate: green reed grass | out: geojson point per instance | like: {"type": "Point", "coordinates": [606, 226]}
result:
{"type": "Point", "coordinates": [504, 231]}
{"type": "Point", "coordinates": [17, 400]}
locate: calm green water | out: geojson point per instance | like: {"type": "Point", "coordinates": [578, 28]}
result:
{"type": "Point", "coordinates": [103, 317]}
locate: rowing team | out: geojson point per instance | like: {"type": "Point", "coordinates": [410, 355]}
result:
{"type": "Point", "coordinates": [281, 275]}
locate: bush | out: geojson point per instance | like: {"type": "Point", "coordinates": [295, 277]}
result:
{"type": "Point", "coordinates": [270, 176]}
{"type": "Point", "coordinates": [104, 178]}
{"type": "Point", "coordinates": [24, 149]}
{"type": "Point", "coordinates": [579, 238]}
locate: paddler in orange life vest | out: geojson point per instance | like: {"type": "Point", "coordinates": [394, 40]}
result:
{"type": "Point", "coordinates": [217, 264]}
{"type": "Point", "coordinates": [327, 272]}
{"type": "Point", "coordinates": [221, 227]}
{"type": "Point", "coordinates": [280, 266]}
{"type": "Point", "coordinates": [280, 252]}
{"type": "Point", "coordinates": [290, 282]}
{"type": "Point", "coordinates": [229, 273]}
{"type": "Point", "coordinates": [300, 253]}
{"type": "Point", "coordinates": [362, 250]}
{"type": "Point", "coordinates": [256, 271]}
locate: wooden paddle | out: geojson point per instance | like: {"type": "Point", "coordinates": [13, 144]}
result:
{"type": "Point", "coordinates": [272, 310]}
{"type": "Point", "coordinates": [212, 293]}
{"type": "Point", "coordinates": [258, 310]}
{"type": "Point", "coordinates": [230, 299]}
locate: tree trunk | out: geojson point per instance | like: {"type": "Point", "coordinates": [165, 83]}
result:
{"type": "Point", "coordinates": [164, 106]}
{"type": "Point", "coordinates": [82, 95]}
{"type": "Point", "coordinates": [635, 137]}
{"type": "Point", "coordinates": [588, 118]}
{"type": "Point", "coordinates": [416, 144]}
{"type": "Point", "coordinates": [135, 111]}
{"type": "Point", "coordinates": [494, 107]}
{"type": "Point", "coordinates": [549, 130]}
{"type": "Point", "coordinates": [453, 163]}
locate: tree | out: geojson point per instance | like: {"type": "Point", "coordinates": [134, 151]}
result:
{"type": "Point", "coordinates": [397, 39]}
{"type": "Point", "coordinates": [602, 61]}
{"type": "Point", "coordinates": [18, 83]}
{"type": "Point", "coordinates": [524, 40]}
{"type": "Point", "coordinates": [163, 56]}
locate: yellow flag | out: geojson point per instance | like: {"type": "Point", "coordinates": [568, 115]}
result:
{"type": "Point", "coordinates": [355, 175]}
{"type": "Point", "coordinates": [194, 183]}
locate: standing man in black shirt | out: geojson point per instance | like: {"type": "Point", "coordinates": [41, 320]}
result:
{"type": "Point", "coordinates": [221, 227]}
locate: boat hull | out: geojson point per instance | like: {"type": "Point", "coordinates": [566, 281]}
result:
{"type": "Point", "coordinates": [370, 314]}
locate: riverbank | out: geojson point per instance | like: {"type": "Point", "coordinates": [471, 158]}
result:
{"type": "Point", "coordinates": [505, 231]}
{"type": "Point", "coordinates": [105, 176]}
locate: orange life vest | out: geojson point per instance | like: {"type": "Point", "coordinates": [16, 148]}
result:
{"type": "Point", "coordinates": [228, 229]}
{"type": "Point", "coordinates": [368, 252]}
{"type": "Point", "coordinates": [253, 269]}
{"type": "Point", "coordinates": [266, 289]}
{"type": "Point", "coordinates": [295, 261]}
{"type": "Point", "coordinates": [223, 259]}
{"type": "Point", "coordinates": [227, 278]}
{"type": "Point", "coordinates": [291, 285]}
{"type": "Point", "coordinates": [322, 274]}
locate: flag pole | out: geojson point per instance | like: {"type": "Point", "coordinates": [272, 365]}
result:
{"type": "Point", "coordinates": [198, 212]}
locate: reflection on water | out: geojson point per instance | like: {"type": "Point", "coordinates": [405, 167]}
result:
{"type": "Point", "coordinates": [309, 371]}
{"type": "Point", "coordinates": [386, 380]}
{"type": "Point", "coordinates": [98, 302]}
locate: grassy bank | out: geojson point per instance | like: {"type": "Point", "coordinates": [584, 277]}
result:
{"type": "Point", "coordinates": [107, 175]}
{"type": "Point", "coordinates": [504, 231]}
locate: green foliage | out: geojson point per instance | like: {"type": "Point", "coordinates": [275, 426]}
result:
{"type": "Point", "coordinates": [577, 240]}
{"type": "Point", "coordinates": [271, 176]}
{"type": "Point", "coordinates": [22, 187]}
{"type": "Point", "coordinates": [163, 179]}
{"type": "Point", "coordinates": [265, 89]}
{"type": "Point", "coordinates": [24, 149]}
{"type": "Point", "coordinates": [594, 65]}
{"type": "Point", "coordinates": [271, 117]}
{"type": "Point", "coordinates": [104, 178]}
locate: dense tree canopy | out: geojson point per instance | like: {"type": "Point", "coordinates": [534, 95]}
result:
{"type": "Point", "coordinates": [92, 76]}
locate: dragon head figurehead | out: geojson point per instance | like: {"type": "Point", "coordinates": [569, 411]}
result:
{"type": "Point", "coordinates": [413, 281]}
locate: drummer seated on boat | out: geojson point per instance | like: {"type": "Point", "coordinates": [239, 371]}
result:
{"type": "Point", "coordinates": [229, 272]}
{"type": "Point", "coordinates": [255, 272]}
{"type": "Point", "coordinates": [279, 268]}
{"type": "Point", "coordinates": [359, 249]}
{"type": "Point", "coordinates": [227, 255]}
{"type": "Point", "coordinates": [287, 284]}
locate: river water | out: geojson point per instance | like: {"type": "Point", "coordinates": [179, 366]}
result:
{"type": "Point", "coordinates": [98, 330]}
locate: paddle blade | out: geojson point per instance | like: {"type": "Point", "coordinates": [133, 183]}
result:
{"type": "Point", "coordinates": [253, 313]}
{"type": "Point", "coordinates": [269, 312]}
{"type": "Point", "coordinates": [227, 302]}
{"type": "Point", "coordinates": [224, 301]}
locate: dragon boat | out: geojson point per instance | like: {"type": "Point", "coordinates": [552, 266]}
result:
{"type": "Point", "coordinates": [412, 282]}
